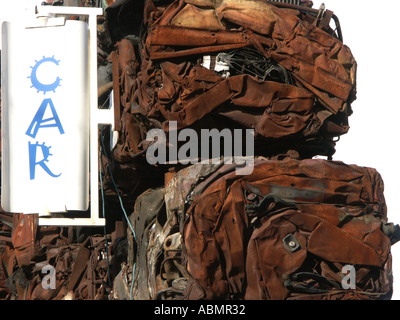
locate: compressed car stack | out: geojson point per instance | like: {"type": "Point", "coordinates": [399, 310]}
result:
{"type": "Point", "coordinates": [287, 229]}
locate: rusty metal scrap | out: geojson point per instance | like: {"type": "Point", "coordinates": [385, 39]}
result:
{"type": "Point", "coordinates": [202, 232]}
{"type": "Point", "coordinates": [234, 238]}
{"type": "Point", "coordinates": [164, 78]}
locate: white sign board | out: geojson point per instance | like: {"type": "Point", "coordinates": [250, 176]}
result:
{"type": "Point", "coordinates": [45, 118]}
{"type": "Point", "coordinates": [48, 103]}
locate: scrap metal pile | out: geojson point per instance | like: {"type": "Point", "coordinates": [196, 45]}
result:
{"type": "Point", "coordinates": [202, 231]}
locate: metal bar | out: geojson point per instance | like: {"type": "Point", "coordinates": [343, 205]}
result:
{"type": "Point", "coordinates": [79, 11]}
{"type": "Point", "coordinates": [188, 37]}
{"type": "Point", "coordinates": [200, 50]}
{"type": "Point", "coordinates": [116, 92]}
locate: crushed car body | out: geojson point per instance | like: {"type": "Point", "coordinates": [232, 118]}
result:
{"type": "Point", "coordinates": [291, 228]}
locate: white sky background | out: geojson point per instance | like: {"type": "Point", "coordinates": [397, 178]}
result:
{"type": "Point", "coordinates": [370, 30]}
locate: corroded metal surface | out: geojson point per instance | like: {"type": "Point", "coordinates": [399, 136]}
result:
{"type": "Point", "coordinates": [203, 232]}
{"type": "Point", "coordinates": [235, 230]}
{"type": "Point", "coordinates": [307, 101]}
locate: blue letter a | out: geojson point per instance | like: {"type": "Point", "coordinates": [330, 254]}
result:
{"type": "Point", "coordinates": [37, 121]}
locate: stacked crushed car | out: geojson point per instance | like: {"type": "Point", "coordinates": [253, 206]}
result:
{"type": "Point", "coordinates": [285, 231]}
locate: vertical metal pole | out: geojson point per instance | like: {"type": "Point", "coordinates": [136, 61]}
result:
{"type": "Point", "coordinates": [94, 128]}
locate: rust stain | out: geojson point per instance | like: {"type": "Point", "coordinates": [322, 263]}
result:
{"type": "Point", "coordinates": [202, 232]}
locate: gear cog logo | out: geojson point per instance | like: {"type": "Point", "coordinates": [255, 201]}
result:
{"type": "Point", "coordinates": [45, 151]}
{"type": "Point", "coordinates": [36, 83]}
{"type": "Point", "coordinates": [33, 161]}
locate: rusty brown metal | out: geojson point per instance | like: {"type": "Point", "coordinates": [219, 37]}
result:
{"type": "Point", "coordinates": [202, 231]}
{"type": "Point", "coordinates": [188, 37]}
{"type": "Point", "coordinates": [105, 89]}
{"type": "Point", "coordinates": [172, 91]}
{"type": "Point", "coordinates": [234, 238]}
{"type": "Point", "coordinates": [159, 55]}
{"type": "Point", "coordinates": [116, 92]}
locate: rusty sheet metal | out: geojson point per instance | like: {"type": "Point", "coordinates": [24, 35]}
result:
{"type": "Point", "coordinates": [203, 232]}
{"type": "Point", "coordinates": [306, 107]}
{"type": "Point", "coordinates": [159, 215]}
{"type": "Point", "coordinates": [177, 36]}
{"type": "Point", "coordinates": [80, 267]}
{"type": "Point", "coordinates": [234, 235]}
{"type": "Point", "coordinates": [302, 48]}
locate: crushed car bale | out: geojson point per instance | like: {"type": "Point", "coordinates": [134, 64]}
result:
{"type": "Point", "coordinates": [286, 231]}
